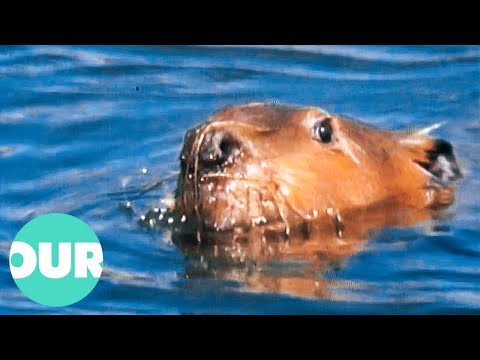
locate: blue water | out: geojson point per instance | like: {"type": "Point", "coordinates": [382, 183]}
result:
{"type": "Point", "coordinates": [78, 123]}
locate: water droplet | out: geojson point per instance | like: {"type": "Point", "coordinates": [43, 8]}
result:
{"type": "Point", "coordinates": [142, 217]}
{"type": "Point", "coordinates": [144, 170]}
{"type": "Point", "coordinates": [170, 220]}
{"type": "Point", "coordinates": [183, 219]}
{"type": "Point", "coordinates": [128, 204]}
{"type": "Point", "coordinates": [259, 220]}
{"type": "Point", "coordinates": [156, 210]}
{"type": "Point", "coordinates": [284, 190]}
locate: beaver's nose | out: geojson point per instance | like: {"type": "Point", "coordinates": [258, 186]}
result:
{"type": "Point", "coordinates": [218, 149]}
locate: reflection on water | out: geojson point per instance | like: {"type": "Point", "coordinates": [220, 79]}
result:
{"type": "Point", "coordinates": [79, 124]}
{"type": "Point", "coordinates": [296, 264]}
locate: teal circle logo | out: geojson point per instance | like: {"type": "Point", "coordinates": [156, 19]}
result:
{"type": "Point", "coordinates": [56, 259]}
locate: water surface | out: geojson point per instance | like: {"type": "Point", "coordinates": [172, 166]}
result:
{"type": "Point", "coordinates": [80, 122]}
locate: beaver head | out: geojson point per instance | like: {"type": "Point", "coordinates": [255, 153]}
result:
{"type": "Point", "coordinates": [275, 166]}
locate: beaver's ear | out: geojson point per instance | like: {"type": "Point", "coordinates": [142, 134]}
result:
{"type": "Point", "coordinates": [435, 156]}
{"type": "Point", "coordinates": [441, 161]}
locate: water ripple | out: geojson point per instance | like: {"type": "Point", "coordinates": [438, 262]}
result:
{"type": "Point", "coordinates": [80, 122]}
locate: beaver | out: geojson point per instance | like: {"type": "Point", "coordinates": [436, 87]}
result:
{"type": "Point", "coordinates": [268, 181]}
{"type": "Point", "coordinates": [279, 167]}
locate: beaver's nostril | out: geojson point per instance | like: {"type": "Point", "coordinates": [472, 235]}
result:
{"type": "Point", "coordinates": [219, 148]}
{"type": "Point", "coordinates": [229, 147]}
{"type": "Point", "coordinates": [225, 146]}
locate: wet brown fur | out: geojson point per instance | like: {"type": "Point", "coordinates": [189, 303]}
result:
{"type": "Point", "coordinates": [291, 196]}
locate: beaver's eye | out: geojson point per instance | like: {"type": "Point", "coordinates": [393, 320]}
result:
{"type": "Point", "coordinates": [322, 130]}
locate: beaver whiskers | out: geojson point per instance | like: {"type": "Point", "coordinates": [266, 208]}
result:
{"type": "Point", "coordinates": [277, 192]}
{"type": "Point", "coordinates": [194, 157]}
